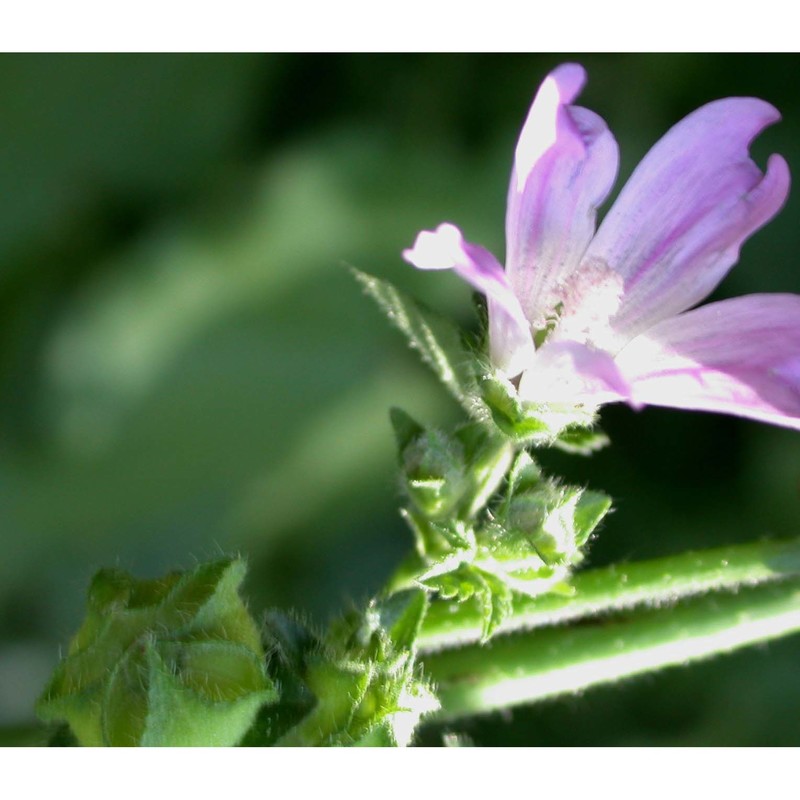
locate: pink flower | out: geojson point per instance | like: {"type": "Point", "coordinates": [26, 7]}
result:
{"type": "Point", "coordinates": [583, 316]}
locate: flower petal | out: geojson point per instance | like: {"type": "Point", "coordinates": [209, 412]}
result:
{"type": "Point", "coordinates": [510, 341]}
{"type": "Point", "coordinates": [573, 373]}
{"type": "Point", "coordinates": [679, 222]}
{"type": "Point", "coordinates": [565, 164]}
{"type": "Point", "coordinates": [739, 356]}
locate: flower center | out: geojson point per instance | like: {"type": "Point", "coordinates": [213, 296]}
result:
{"type": "Point", "coordinates": [583, 307]}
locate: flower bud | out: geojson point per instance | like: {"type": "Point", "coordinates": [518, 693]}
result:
{"type": "Point", "coordinates": [170, 662]}
{"type": "Point", "coordinates": [557, 521]}
{"type": "Point", "coordinates": [433, 467]}
{"type": "Point", "coordinates": [365, 686]}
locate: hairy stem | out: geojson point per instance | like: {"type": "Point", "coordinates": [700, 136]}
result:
{"type": "Point", "coordinates": [534, 665]}
{"type": "Point", "coordinates": [619, 587]}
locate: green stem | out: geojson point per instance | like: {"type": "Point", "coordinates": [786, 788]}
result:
{"type": "Point", "coordinates": [620, 587]}
{"type": "Point", "coordinates": [525, 667]}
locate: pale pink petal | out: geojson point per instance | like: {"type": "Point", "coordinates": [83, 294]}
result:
{"type": "Point", "coordinates": [510, 341]}
{"type": "Point", "coordinates": [678, 224]}
{"type": "Point", "coordinates": [739, 356]}
{"type": "Point", "coordinates": [565, 164]}
{"type": "Point", "coordinates": [573, 373]}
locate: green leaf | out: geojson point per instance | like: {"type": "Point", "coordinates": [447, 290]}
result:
{"type": "Point", "coordinates": [526, 667]}
{"type": "Point", "coordinates": [436, 340]}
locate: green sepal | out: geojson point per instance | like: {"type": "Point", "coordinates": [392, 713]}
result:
{"type": "Point", "coordinates": [538, 425]}
{"type": "Point", "coordinates": [406, 429]}
{"type": "Point", "coordinates": [450, 477]}
{"type": "Point", "coordinates": [401, 616]}
{"type": "Point", "coordinates": [291, 643]}
{"type": "Point", "coordinates": [433, 466]}
{"type": "Point", "coordinates": [362, 676]}
{"type": "Point", "coordinates": [551, 520]}
{"type": "Point", "coordinates": [470, 582]}
{"type": "Point", "coordinates": [381, 735]}
{"type": "Point", "coordinates": [436, 340]}
{"type": "Point", "coordinates": [338, 689]}
{"type": "Point", "coordinates": [525, 475]}
{"type": "Point", "coordinates": [581, 441]}
{"type": "Point", "coordinates": [488, 458]}
{"type": "Point", "coordinates": [172, 661]}
{"type": "Point", "coordinates": [591, 508]}
{"type": "Point", "coordinates": [435, 540]}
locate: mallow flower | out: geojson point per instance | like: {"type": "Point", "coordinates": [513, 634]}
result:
{"type": "Point", "coordinates": [582, 316]}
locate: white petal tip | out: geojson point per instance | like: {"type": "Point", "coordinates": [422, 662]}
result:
{"type": "Point", "coordinates": [540, 131]}
{"type": "Point", "coordinates": [439, 249]}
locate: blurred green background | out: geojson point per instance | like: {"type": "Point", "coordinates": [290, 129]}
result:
{"type": "Point", "coordinates": [187, 368]}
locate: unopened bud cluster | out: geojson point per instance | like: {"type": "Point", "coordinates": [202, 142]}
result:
{"type": "Point", "coordinates": [486, 521]}
{"type": "Point", "coordinates": [176, 661]}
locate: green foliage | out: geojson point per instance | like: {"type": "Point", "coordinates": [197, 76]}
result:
{"type": "Point", "coordinates": [581, 441]}
{"type": "Point", "coordinates": [474, 544]}
{"type": "Point", "coordinates": [356, 686]}
{"type": "Point", "coordinates": [467, 581]}
{"type": "Point", "coordinates": [433, 465]}
{"type": "Point", "coordinates": [537, 425]}
{"type": "Point", "coordinates": [450, 477]}
{"type": "Point", "coordinates": [182, 360]}
{"type": "Point", "coordinates": [441, 347]}
{"type": "Point", "coordinates": [175, 661]}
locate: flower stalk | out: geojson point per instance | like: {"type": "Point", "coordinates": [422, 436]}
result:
{"type": "Point", "coordinates": [621, 587]}
{"type": "Point", "coordinates": [548, 662]}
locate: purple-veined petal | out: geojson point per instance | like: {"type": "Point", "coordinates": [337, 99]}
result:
{"type": "Point", "coordinates": [679, 222]}
{"type": "Point", "coordinates": [510, 341]}
{"type": "Point", "coordinates": [564, 167]}
{"type": "Point", "coordinates": [573, 373]}
{"type": "Point", "coordinates": [739, 356]}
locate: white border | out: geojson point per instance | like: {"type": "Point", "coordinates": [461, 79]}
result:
{"type": "Point", "coordinates": [396, 25]}
{"type": "Point", "coordinates": [621, 773]}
